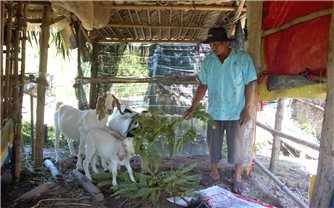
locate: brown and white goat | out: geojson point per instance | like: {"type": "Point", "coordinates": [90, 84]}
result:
{"type": "Point", "coordinates": [74, 124]}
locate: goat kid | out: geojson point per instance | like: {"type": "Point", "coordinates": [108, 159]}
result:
{"type": "Point", "coordinates": [110, 147]}
{"type": "Point", "coordinates": [122, 123]}
{"type": "Point", "coordinates": [74, 123]}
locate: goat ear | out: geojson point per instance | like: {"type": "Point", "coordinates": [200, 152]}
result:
{"type": "Point", "coordinates": [118, 105]}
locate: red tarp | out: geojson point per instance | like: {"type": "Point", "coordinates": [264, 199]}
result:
{"type": "Point", "coordinates": [301, 46]}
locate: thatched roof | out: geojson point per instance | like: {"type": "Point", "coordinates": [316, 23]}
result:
{"type": "Point", "coordinates": [148, 21]}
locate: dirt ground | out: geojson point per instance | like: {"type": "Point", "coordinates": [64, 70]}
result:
{"type": "Point", "coordinates": [292, 171]}
{"type": "Point", "coordinates": [258, 186]}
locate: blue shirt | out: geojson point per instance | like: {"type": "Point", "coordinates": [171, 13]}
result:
{"type": "Point", "coordinates": [227, 83]}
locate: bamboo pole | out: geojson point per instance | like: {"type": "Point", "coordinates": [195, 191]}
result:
{"type": "Point", "coordinates": [7, 87]}
{"type": "Point", "coordinates": [324, 188]}
{"type": "Point", "coordinates": [280, 184]}
{"type": "Point", "coordinates": [105, 40]}
{"type": "Point", "coordinates": [254, 21]}
{"type": "Point", "coordinates": [32, 126]}
{"type": "Point", "coordinates": [166, 79]}
{"type": "Point", "coordinates": [298, 20]}
{"type": "Point", "coordinates": [157, 26]}
{"type": "Point", "coordinates": [93, 73]}
{"type": "Point", "coordinates": [16, 104]}
{"type": "Point", "coordinates": [1, 60]}
{"type": "Point", "coordinates": [276, 147]}
{"type": "Point", "coordinates": [23, 15]}
{"type": "Point", "coordinates": [289, 137]}
{"type": "Point", "coordinates": [176, 7]}
{"type": "Point", "coordinates": [44, 43]}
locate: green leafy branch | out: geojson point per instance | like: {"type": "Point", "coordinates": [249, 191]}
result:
{"type": "Point", "coordinates": [149, 188]}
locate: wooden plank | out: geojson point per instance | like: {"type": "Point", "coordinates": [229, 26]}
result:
{"type": "Point", "coordinates": [88, 186]}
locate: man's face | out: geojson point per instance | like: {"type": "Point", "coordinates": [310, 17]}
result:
{"type": "Point", "coordinates": [218, 47]}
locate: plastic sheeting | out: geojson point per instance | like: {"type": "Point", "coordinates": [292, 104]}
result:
{"type": "Point", "coordinates": [305, 45]}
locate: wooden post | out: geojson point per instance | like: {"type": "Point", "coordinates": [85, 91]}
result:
{"type": "Point", "coordinates": [276, 148]}
{"type": "Point", "coordinates": [16, 112]}
{"type": "Point", "coordinates": [44, 44]}
{"type": "Point", "coordinates": [254, 21]}
{"type": "Point", "coordinates": [93, 73]}
{"type": "Point", "coordinates": [324, 187]}
{"type": "Point", "coordinates": [32, 126]}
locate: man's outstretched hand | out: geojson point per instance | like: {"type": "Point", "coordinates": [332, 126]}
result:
{"type": "Point", "coordinates": [188, 114]}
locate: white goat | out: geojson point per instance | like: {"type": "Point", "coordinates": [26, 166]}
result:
{"type": "Point", "coordinates": [110, 147]}
{"type": "Point", "coordinates": [74, 123]}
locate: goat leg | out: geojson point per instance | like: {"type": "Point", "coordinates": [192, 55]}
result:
{"type": "Point", "coordinates": [71, 147]}
{"type": "Point", "coordinates": [129, 169]}
{"type": "Point", "coordinates": [94, 160]}
{"type": "Point", "coordinates": [113, 170]}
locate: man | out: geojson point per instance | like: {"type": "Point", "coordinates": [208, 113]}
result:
{"type": "Point", "coordinates": [229, 76]}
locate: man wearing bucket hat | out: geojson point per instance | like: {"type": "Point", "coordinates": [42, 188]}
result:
{"type": "Point", "coordinates": [229, 76]}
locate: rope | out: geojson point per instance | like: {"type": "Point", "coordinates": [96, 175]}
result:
{"type": "Point", "coordinates": [250, 165]}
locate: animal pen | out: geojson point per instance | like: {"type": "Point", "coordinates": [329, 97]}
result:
{"type": "Point", "coordinates": [290, 42]}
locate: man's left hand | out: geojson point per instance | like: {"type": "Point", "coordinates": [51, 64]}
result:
{"type": "Point", "coordinates": [245, 116]}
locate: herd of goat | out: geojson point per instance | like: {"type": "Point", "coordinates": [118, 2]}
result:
{"type": "Point", "coordinates": [103, 132]}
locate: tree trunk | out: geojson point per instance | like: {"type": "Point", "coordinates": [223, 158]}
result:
{"type": "Point", "coordinates": [43, 63]}
{"type": "Point", "coordinates": [254, 20]}
{"type": "Point", "coordinates": [324, 184]}
{"type": "Point", "coordinates": [276, 148]}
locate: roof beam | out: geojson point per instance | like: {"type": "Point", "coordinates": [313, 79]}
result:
{"type": "Point", "coordinates": [158, 26]}
{"type": "Point", "coordinates": [177, 7]}
{"type": "Point", "coordinates": [147, 41]}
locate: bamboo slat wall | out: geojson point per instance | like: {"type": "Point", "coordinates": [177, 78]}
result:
{"type": "Point", "coordinates": [12, 81]}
